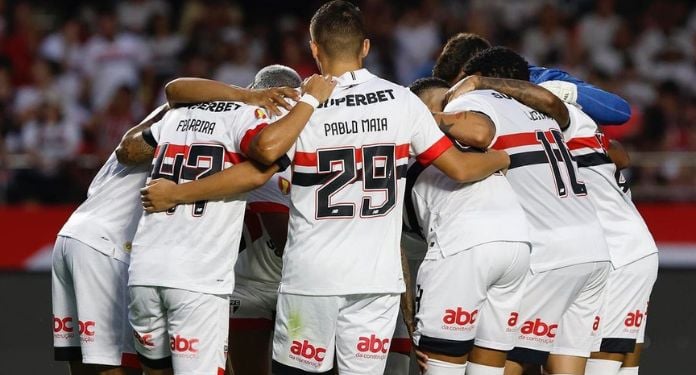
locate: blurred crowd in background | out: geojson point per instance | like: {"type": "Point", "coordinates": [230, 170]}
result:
{"type": "Point", "coordinates": [75, 75]}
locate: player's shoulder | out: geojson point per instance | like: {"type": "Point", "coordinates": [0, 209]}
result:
{"type": "Point", "coordinates": [396, 90]}
{"type": "Point", "coordinates": [474, 98]}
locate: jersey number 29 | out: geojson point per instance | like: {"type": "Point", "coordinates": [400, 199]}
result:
{"type": "Point", "coordinates": [378, 174]}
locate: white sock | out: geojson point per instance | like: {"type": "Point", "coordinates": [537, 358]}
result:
{"type": "Point", "coordinates": [436, 367]}
{"type": "Point", "coordinates": [629, 371]}
{"type": "Point", "coordinates": [602, 367]}
{"type": "Point", "coordinates": [477, 369]}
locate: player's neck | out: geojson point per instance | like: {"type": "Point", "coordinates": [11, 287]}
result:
{"type": "Point", "coordinates": [338, 68]}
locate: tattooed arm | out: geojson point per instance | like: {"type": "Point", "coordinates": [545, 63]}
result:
{"type": "Point", "coordinates": [532, 95]}
{"type": "Point", "coordinates": [133, 149]}
{"type": "Point", "coordinates": [468, 128]}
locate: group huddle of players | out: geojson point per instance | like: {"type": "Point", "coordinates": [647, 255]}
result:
{"type": "Point", "coordinates": [501, 194]}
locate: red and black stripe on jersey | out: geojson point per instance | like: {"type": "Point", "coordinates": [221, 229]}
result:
{"type": "Point", "coordinates": [524, 158]}
{"type": "Point", "coordinates": [309, 159]}
{"type": "Point", "coordinates": [597, 156]}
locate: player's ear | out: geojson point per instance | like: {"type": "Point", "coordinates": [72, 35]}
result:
{"type": "Point", "coordinates": [315, 49]}
{"type": "Point", "coordinates": [365, 48]}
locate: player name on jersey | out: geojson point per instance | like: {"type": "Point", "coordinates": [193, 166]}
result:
{"type": "Point", "coordinates": [369, 125]}
{"type": "Point", "coordinates": [196, 125]}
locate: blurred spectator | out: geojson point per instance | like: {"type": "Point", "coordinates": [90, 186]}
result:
{"type": "Point", "coordinates": [416, 38]}
{"type": "Point", "coordinates": [134, 15]}
{"type": "Point", "coordinates": [112, 59]}
{"type": "Point", "coordinates": [50, 141]}
{"type": "Point", "coordinates": [544, 43]}
{"type": "Point", "coordinates": [101, 71]}
{"type": "Point", "coordinates": [164, 44]}
{"type": "Point", "coordinates": [109, 125]}
{"type": "Point", "coordinates": [597, 28]}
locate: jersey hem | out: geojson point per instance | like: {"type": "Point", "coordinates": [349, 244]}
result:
{"type": "Point", "coordinates": [544, 267]}
{"type": "Point", "coordinates": [160, 284]}
{"type": "Point", "coordinates": [623, 262]}
{"type": "Point", "coordinates": [329, 292]}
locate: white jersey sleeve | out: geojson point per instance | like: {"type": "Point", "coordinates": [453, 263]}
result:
{"type": "Point", "coordinates": [428, 142]}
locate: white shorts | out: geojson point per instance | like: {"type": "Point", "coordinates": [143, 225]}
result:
{"type": "Point", "coordinates": [358, 326]}
{"type": "Point", "coordinates": [90, 306]}
{"type": "Point", "coordinates": [558, 312]}
{"type": "Point", "coordinates": [253, 305]}
{"type": "Point", "coordinates": [624, 315]}
{"type": "Point", "coordinates": [466, 299]}
{"type": "Point", "coordinates": [180, 329]}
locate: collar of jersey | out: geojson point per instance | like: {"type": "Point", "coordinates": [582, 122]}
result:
{"type": "Point", "coordinates": [354, 77]}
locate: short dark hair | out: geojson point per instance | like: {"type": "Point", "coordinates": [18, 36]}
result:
{"type": "Point", "coordinates": [276, 76]}
{"type": "Point", "coordinates": [456, 53]}
{"type": "Point", "coordinates": [499, 62]}
{"type": "Point", "coordinates": [422, 85]}
{"type": "Point", "coordinates": [338, 28]}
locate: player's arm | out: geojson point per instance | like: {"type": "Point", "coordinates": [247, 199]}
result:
{"type": "Point", "coordinates": [133, 149]}
{"type": "Point", "coordinates": [407, 298]}
{"type": "Point", "coordinates": [603, 107]}
{"type": "Point", "coordinates": [471, 166]}
{"type": "Point", "coordinates": [273, 142]}
{"type": "Point", "coordinates": [162, 194]}
{"type": "Point", "coordinates": [183, 91]}
{"type": "Point", "coordinates": [531, 95]}
{"type": "Point", "coordinates": [618, 154]}
{"type": "Point", "coordinates": [469, 128]}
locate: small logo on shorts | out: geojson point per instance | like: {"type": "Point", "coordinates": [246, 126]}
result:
{"type": "Point", "coordinates": [307, 353]}
{"type": "Point", "coordinates": [179, 344]}
{"type": "Point", "coordinates": [235, 304]}
{"type": "Point", "coordinates": [634, 319]}
{"type": "Point", "coordinates": [144, 340]}
{"type": "Point", "coordinates": [595, 324]}
{"type": "Point", "coordinates": [64, 328]}
{"type": "Point", "coordinates": [539, 328]}
{"type": "Point", "coordinates": [459, 319]}
{"type": "Point", "coordinates": [372, 347]}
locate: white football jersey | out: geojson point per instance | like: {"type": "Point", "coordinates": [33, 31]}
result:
{"type": "Point", "coordinates": [107, 219]}
{"type": "Point", "coordinates": [259, 258]}
{"type": "Point", "coordinates": [564, 229]}
{"type": "Point", "coordinates": [453, 217]}
{"type": "Point", "coordinates": [194, 246]}
{"type": "Point", "coordinates": [627, 235]}
{"type": "Point", "coordinates": [348, 176]}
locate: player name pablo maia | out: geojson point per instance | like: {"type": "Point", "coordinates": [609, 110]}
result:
{"type": "Point", "coordinates": [369, 125]}
{"type": "Point", "coordinates": [355, 100]}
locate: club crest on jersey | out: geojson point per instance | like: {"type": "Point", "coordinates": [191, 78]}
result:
{"type": "Point", "coordinates": [284, 185]}
{"type": "Point", "coordinates": [260, 114]}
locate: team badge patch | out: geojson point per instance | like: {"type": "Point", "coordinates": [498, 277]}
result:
{"type": "Point", "coordinates": [284, 186]}
{"type": "Point", "coordinates": [260, 114]}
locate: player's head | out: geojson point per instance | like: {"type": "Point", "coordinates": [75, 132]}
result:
{"type": "Point", "coordinates": [338, 33]}
{"type": "Point", "coordinates": [498, 62]}
{"type": "Point", "coordinates": [431, 91]}
{"type": "Point", "coordinates": [458, 50]}
{"type": "Point", "coordinates": [276, 76]}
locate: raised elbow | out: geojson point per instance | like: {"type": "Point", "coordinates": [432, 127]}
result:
{"type": "Point", "coordinates": [122, 155]}
{"type": "Point", "coordinates": [171, 89]}
{"type": "Point", "coordinates": [481, 140]}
